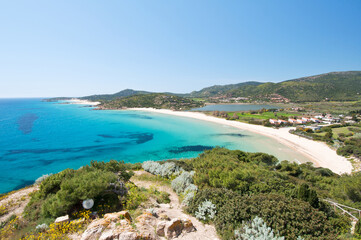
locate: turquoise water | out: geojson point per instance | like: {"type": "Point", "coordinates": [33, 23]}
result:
{"type": "Point", "coordinates": [37, 138]}
{"type": "Point", "coordinates": [234, 107]}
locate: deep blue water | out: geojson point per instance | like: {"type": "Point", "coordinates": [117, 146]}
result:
{"type": "Point", "coordinates": [233, 107]}
{"type": "Point", "coordinates": [37, 138]}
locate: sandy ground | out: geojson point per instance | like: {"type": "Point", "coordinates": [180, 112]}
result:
{"type": "Point", "coordinates": [80, 101]}
{"type": "Point", "coordinates": [16, 202]}
{"type": "Point", "coordinates": [318, 152]}
{"type": "Point", "coordinates": [174, 210]}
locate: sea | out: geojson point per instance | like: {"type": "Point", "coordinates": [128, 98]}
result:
{"type": "Point", "coordinates": [38, 138]}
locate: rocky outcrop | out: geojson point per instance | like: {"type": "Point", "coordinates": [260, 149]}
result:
{"type": "Point", "coordinates": [62, 219]}
{"type": "Point", "coordinates": [148, 226]}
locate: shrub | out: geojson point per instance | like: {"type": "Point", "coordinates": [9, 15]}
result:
{"type": "Point", "coordinates": [358, 227]}
{"type": "Point", "coordinates": [217, 196]}
{"type": "Point", "coordinates": [166, 169]}
{"type": "Point", "coordinates": [180, 183]}
{"type": "Point", "coordinates": [290, 217]}
{"type": "Point", "coordinates": [41, 227]}
{"type": "Point", "coordinates": [257, 230]}
{"type": "Point", "coordinates": [62, 193]}
{"type": "Point", "coordinates": [151, 167]}
{"type": "Point", "coordinates": [206, 211]}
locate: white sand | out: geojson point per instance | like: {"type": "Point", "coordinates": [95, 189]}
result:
{"type": "Point", "coordinates": [81, 101]}
{"type": "Point", "coordinates": [318, 152]}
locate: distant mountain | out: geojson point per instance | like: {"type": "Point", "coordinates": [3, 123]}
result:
{"type": "Point", "coordinates": [333, 86]}
{"type": "Point", "coordinates": [336, 86]}
{"type": "Point", "coordinates": [220, 89]}
{"type": "Point", "coordinates": [123, 93]}
{"type": "Point", "coordinates": [151, 100]}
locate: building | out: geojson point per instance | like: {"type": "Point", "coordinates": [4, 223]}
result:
{"type": "Point", "coordinates": [273, 121]}
{"type": "Point", "coordinates": [300, 121]}
{"type": "Point", "coordinates": [315, 120]}
{"type": "Point", "coordinates": [306, 119]}
{"type": "Point", "coordinates": [292, 120]}
{"type": "Point", "coordinates": [280, 121]}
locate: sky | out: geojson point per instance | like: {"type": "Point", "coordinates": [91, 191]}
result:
{"type": "Point", "coordinates": [78, 48]}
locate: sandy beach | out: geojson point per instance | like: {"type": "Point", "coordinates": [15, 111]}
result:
{"type": "Point", "coordinates": [318, 152]}
{"type": "Point", "coordinates": [81, 101]}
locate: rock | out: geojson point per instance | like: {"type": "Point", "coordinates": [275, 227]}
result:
{"type": "Point", "coordinates": [114, 217]}
{"type": "Point", "coordinates": [146, 218]}
{"type": "Point", "coordinates": [95, 229]}
{"type": "Point", "coordinates": [173, 228]}
{"type": "Point", "coordinates": [119, 230]}
{"type": "Point", "coordinates": [188, 226]}
{"type": "Point", "coordinates": [164, 217]}
{"type": "Point", "coordinates": [145, 225]}
{"type": "Point", "coordinates": [62, 219]}
{"type": "Point", "coordinates": [129, 236]}
{"type": "Point", "coordinates": [160, 228]}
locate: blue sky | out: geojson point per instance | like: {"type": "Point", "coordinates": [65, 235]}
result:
{"type": "Point", "coordinates": [76, 48]}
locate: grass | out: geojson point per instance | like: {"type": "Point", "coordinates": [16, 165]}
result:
{"type": "Point", "coordinates": [337, 131]}
{"type": "Point", "coordinates": [264, 115]}
{"type": "Point", "coordinates": [152, 178]}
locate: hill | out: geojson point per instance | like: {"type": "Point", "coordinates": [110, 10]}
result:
{"type": "Point", "coordinates": [334, 86]}
{"type": "Point", "coordinates": [220, 89]}
{"type": "Point", "coordinates": [123, 93]}
{"type": "Point", "coordinates": [151, 100]}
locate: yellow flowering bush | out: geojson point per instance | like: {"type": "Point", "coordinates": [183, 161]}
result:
{"type": "Point", "coordinates": [3, 210]}
{"type": "Point", "coordinates": [61, 230]}
{"type": "Point", "coordinates": [9, 228]}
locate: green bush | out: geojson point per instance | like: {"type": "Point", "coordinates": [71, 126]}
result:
{"type": "Point", "coordinates": [290, 217]}
{"type": "Point", "coordinates": [63, 193]}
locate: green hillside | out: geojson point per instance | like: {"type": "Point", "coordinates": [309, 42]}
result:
{"type": "Point", "coordinates": [335, 86]}
{"type": "Point", "coordinates": [220, 89]}
{"type": "Point", "coordinates": [123, 93]}
{"type": "Point", "coordinates": [152, 100]}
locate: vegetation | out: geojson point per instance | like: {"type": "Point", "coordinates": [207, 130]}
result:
{"type": "Point", "coordinates": [260, 117]}
{"type": "Point", "coordinates": [257, 230]}
{"type": "Point", "coordinates": [336, 86]}
{"type": "Point", "coordinates": [217, 90]}
{"type": "Point", "coordinates": [245, 185]}
{"type": "Point", "coordinates": [154, 100]}
{"type": "Point", "coordinates": [346, 138]}
{"type": "Point", "coordinates": [123, 93]}
{"type": "Point", "coordinates": [63, 193]}
{"type": "Point", "coordinates": [243, 194]}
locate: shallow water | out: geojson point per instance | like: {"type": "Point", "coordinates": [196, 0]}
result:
{"type": "Point", "coordinates": [37, 138]}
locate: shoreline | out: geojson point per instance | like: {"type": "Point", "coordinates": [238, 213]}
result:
{"type": "Point", "coordinates": [318, 152]}
{"type": "Point", "coordinates": [81, 102]}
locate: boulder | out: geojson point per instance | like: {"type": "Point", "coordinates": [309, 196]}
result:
{"type": "Point", "coordinates": [95, 229]}
{"type": "Point", "coordinates": [146, 224]}
{"type": "Point", "coordinates": [114, 217]}
{"type": "Point", "coordinates": [120, 230]}
{"type": "Point", "coordinates": [62, 219]}
{"type": "Point", "coordinates": [164, 217]}
{"type": "Point", "coordinates": [188, 226]}
{"type": "Point", "coordinates": [160, 228]}
{"type": "Point", "coordinates": [173, 228]}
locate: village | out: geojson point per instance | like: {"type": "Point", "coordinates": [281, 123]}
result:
{"type": "Point", "coordinates": [315, 122]}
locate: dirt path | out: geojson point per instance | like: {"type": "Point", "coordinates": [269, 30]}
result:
{"type": "Point", "coordinates": [16, 202]}
{"type": "Point", "coordinates": [174, 210]}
